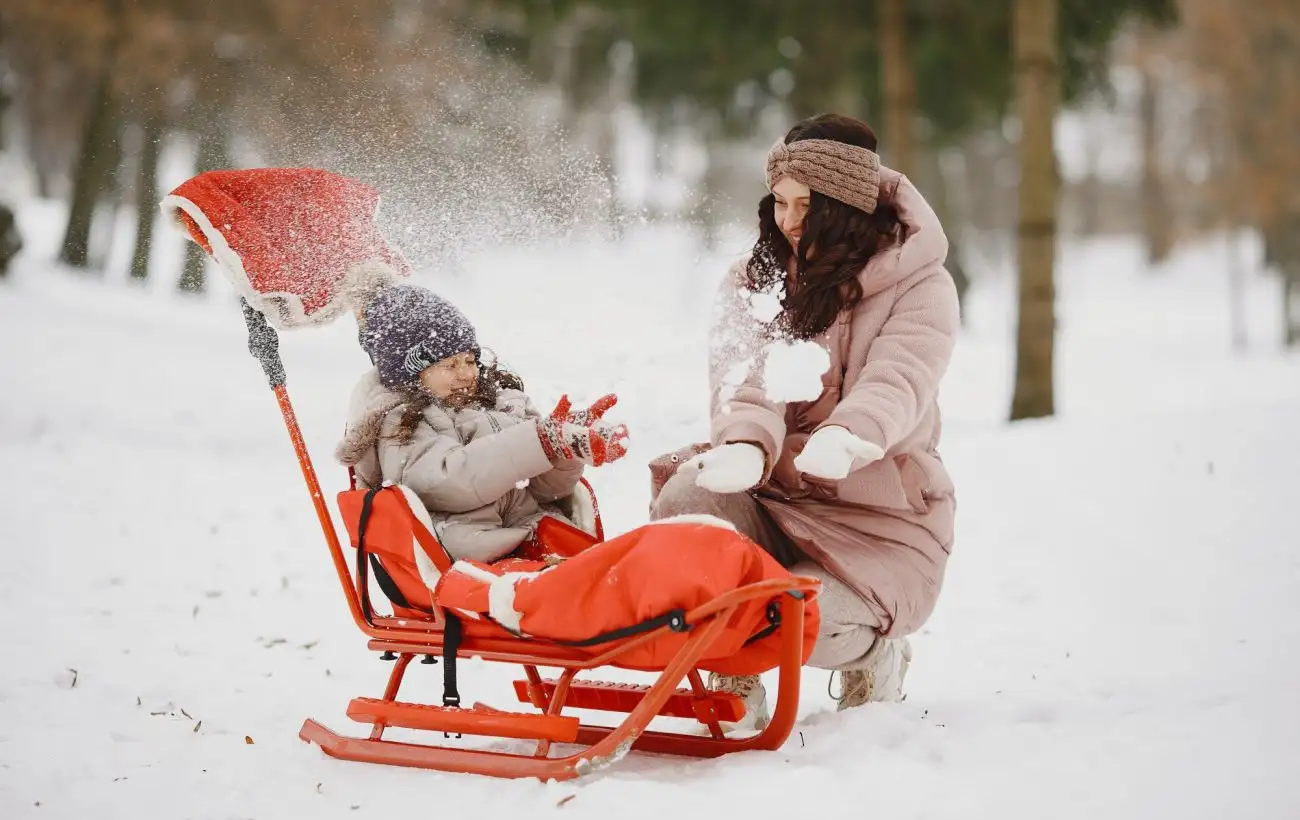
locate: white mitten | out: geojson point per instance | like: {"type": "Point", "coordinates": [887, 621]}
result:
{"type": "Point", "coordinates": [831, 452]}
{"type": "Point", "coordinates": [728, 468]}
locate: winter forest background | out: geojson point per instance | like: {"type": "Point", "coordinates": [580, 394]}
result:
{"type": "Point", "coordinates": [490, 123]}
{"type": "Point", "coordinates": [1120, 180]}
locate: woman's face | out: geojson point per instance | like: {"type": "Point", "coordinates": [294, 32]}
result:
{"type": "Point", "coordinates": [454, 376]}
{"type": "Point", "coordinates": [790, 208]}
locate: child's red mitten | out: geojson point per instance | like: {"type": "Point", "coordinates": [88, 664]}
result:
{"type": "Point", "coordinates": [564, 409]}
{"type": "Point", "coordinates": [596, 443]}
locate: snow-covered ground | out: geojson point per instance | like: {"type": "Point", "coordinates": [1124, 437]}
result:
{"type": "Point", "coordinates": [1116, 636]}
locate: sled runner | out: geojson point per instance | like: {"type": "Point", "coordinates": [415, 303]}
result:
{"type": "Point", "coordinates": [742, 614]}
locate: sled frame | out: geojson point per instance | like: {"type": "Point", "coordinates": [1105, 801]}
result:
{"type": "Point", "coordinates": [401, 639]}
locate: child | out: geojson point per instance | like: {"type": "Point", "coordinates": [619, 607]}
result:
{"type": "Point", "coordinates": [460, 434]}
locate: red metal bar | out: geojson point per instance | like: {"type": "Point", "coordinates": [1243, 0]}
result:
{"type": "Point", "coordinates": [598, 696]}
{"type": "Point", "coordinates": [607, 748]}
{"type": "Point", "coordinates": [771, 738]}
{"type": "Point", "coordinates": [390, 691]}
{"type": "Point", "coordinates": [706, 705]}
{"type": "Point", "coordinates": [555, 701]}
{"type": "Point", "coordinates": [477, 721]}
{"type": "Point", "coordinates": [595, 510]}
{"type": "Point", "coordinates": [318, 501]}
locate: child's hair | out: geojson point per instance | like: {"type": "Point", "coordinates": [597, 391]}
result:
{"type": "Point", "coordinates": [492, 379]}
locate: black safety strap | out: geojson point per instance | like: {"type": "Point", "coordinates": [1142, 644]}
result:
{"type": "Point", "coordinates": [389, 586]}
{"type": "Point", "coordinates": [674, 619]}
{"type": "Point", "coordinates": [382, 576]}
{"type": "Point", "coordinates": [773, 623]}
{"type": "Point", "coordinates": [452, 632]}
{"type": "Point", "coordinates": [363, 576]}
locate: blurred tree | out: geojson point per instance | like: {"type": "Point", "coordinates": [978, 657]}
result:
{"type": "Point", "coordinates": [898, 86]}
{"type": "Point", "coordinates": [1245, 60]}
{"type": "Point", "coordinates": [731, 56]}
{"type": "Point", "coordinates": [386, 91]}
{"type": "Point", "coordinates": [736, 65]}
{"type": "Point", "coordinates": [11, 241]}
{"type": "Point", "coordinates": [1146, 53]}
{"type": "Point", "coordinates": [100, 149]}
{"type": "Point", "coordinates": [1038, 80]}
{"type": "Point", "coordinates": [212, 116]}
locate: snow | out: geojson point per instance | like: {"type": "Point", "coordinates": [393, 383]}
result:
{"type": "Point", "coordinates": [792, 371]}
{"type": "Point", "coordinates": [1114, 637]}
{"type": "Point", "coordinates": [765, 306]}
{"type": "Point", "coordinates": [732, 379]}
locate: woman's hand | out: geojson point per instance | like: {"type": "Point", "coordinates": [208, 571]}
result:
{"type": "Point", "coordinates": [831, 452]}
{"type": "Point", "coordinates": [728, 468]}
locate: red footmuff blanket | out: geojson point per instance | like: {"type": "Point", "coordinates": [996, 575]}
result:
{"type": "Point", "coordinates": [635, 582]}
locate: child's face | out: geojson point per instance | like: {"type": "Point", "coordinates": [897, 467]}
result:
{"type": "Point", "coordinates": [453, 377]}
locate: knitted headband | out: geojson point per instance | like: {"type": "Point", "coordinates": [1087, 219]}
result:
{"type": "Point", "coordinates": [845, 172]}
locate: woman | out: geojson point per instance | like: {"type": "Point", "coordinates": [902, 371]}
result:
{"type": "Point", "coordinates": [847, 486]}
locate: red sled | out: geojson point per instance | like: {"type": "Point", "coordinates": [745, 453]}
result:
{"type": "Point", "coordinates": [391, 540]}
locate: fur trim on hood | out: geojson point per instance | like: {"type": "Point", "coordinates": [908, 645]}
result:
{"type": "Point", "coordinates": [371, 403]}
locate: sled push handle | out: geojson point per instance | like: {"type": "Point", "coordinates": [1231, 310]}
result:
{"type": "Point", "coordinates": [264, 345]}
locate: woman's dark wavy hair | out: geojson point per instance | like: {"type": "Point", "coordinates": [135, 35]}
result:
{"type": "Point", "coordinates": [841, 237]}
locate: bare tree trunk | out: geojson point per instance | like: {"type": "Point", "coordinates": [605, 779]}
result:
{"type": "Point", "coordinates": [930, 177]}
{"type": "Point", "coordinates": [1035, 38]}
{"type": "Point", "coordinates": [213, 123]}
{"type": "Point", "coordinates": [212, 155]}
{"type": "Point", "coordinates": [146, 193]}
{"type": "Point", "coordinates": [41, 152]}
{"type": "Point", "coordinates": [1156, 227]}
{"type": "Point", "coordinates": [1090, 187]}
{"type": "Point", "coordinates": [1291, 307]}
{"type": "Point", "coordinates": [706, 211]}
{"type": "Point", "coordinates": [6, 100]}
{"type": "Point", "coordinates": [100, 150]}
{"type": "Point", "coordinates": [618, 89]}
{"type": "Point", "coordinates": [899, 87]}
{"type": "Point", "coordinates": [1287, 259]}
{"type": "Point", "coordinates": [99, 156]}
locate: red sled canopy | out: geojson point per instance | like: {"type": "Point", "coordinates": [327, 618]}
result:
{"type": "Point", "coordinates": [295, 242]}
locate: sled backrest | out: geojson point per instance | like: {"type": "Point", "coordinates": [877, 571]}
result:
{"type": "Point", "coordinates": [393, 535]}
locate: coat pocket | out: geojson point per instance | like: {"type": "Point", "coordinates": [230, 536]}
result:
{"type": "Point", "coordinates": [907, 481]}
{"type": "Point", "coordinates": [916, 484]}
